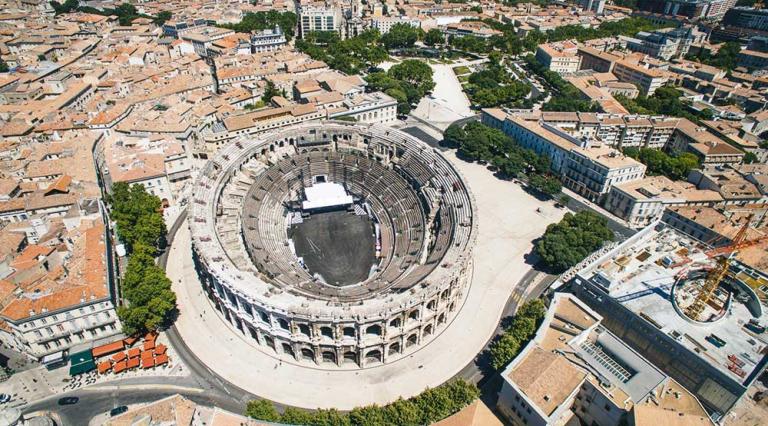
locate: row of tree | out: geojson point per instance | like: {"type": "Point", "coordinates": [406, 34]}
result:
{"type": "Point", "coordinates": [354, 55]}
{"type": "Point", "coordinates": [568, 242]}
{"type": "Point", "coordinates": [125, 12]}
{"type": "Point", "coordinates": [428, 407]}
{"type": "Point", "coordinates": [665, 100]}
{"type": "Point", "coordinates": [493, 86]}
{"type": "Point", "coordinates": [407, 82]}
{"type": "Point", "coordinates": [565, 96]}
{"type": "Point", "coordinates": [478, 142]}
{"type": "Point", "coordinates": [726, 57]}
{"type": "Point", "coordinates": [675, 166]}
{"type": "Point", "coordinates": [258, 21]}
{"type": "Point", "coordinates": [519, 331]}
{"type": "Point", "coordinates": [146, 291]}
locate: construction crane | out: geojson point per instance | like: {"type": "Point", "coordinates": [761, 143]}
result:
{"type": "Point", "coordinates": [712, 282]}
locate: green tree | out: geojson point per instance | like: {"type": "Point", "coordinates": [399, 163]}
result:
{"type": "Point", "coordinates": [415, 72]}
{"type": "Point", "coordinates": [67, 7]}
{"type": "Point", "coordinates": [258, 21]}
{"type": "Point", "coordinates": [3, 66]}
{"type": "Point", "coordinates": [569, 241]}
{"type": "Point", "coordinates": [549, 185]}
{"type": "Point", "coordinates": [750, 157]}
{"type": "Point", "coordinates": [262, 410]}
{"type": "Point", "coordinates": [162, 18]}
{"type": "Point", "coordinates": [401, 36]}
{"type": "Point", "coordinates": [270, 91]}
{"type": "Point", "coordinates": [434, 37]}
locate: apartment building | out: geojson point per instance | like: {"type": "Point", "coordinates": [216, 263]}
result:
{"type": "Point", "coordinates": [267, 40]}
{"type": "Point", "coordinates": [575, 371]}
{"type": "Point", "coordinates": [471, 28]}
{"type": "Point", "coordinates": [385, 23]}
{"type": "Point", "coordinates": [598, 60]}
{"type": "Point", "coordinates": [643, 202]}
{"type": "Point", "coordinates": [666, 43]}
{"type": "Point", "coordinates": [202, 38]}
{"type": "Point", "coordinates": [729, 183]}
{"type": "Point", "coordinates": [646, 79]}
{"type": "Point", "coordinates": [319, 17]}
{"type": "Point", "coordinates": [56, 294]}
{"type": "Point", "coordinates": [559, 57]}
{"type": "Point", "coordinates": [592, 171]}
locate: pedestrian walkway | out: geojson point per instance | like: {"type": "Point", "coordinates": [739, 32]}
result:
{"type": "Point", "coordinates": [508, 222]}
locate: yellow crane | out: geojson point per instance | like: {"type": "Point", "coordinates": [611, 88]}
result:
{"type": "Point", "coordinates": [712, 282]}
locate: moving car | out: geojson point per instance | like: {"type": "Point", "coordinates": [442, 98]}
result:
{"type": "Point", "coordinates": [118, 411]}
{"type": "Point", "coordinates": [68, 400]}
{"type": "Point", "coordinates": [4, 397]}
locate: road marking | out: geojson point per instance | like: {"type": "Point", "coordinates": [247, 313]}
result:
{"type": "Point", "coordinates": [142, 387]}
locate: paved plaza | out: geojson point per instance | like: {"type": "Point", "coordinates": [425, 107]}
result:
{"type": "Point", "coordinates": [508, 222]}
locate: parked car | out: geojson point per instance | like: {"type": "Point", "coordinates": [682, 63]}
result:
{"type": "Point", "coordinates": [68, 400]}
{"type": "Point", "coordinates": [4, 397]}
{"type": "Point", "coordinates": [118, 411]}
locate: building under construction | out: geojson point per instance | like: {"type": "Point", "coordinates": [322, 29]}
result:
{"type": "Point", "coordinates": [695, 309]}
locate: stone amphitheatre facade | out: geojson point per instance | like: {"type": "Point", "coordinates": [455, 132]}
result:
{"type": "Point", "coordinates": [247, 200]}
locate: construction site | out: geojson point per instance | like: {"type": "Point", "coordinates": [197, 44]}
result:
{"type": "Point", "coordinates": [695, 309]}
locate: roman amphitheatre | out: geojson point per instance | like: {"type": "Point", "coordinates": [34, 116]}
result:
{"type": "Point", "coordinates": [335, 256]}
{"type": "Point", "coordinates": [338, 245]}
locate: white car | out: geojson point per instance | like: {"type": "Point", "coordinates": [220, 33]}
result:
{"type": "Point", "coordinates": [4, 397]}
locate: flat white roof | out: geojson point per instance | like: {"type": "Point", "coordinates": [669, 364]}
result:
{"type": "Point", "coordinates": [326, 194]}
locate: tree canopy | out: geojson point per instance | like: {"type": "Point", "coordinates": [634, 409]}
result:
{"type": "Point", "coordinates": [566, 96]}
{"type": "Point", "coordinates": [478, 142]}
{"type": "Point", "coordinates": [145, 289]}
{"type": "Point", "coordinates": [657, 162]}
{"type": "Point", "coordinates": [415, 72]}
{"type": "Point", "coordinates": [494, 86]}
{"type": "Point", "coordinates": [665, 100]}
{"type": "Point", "coordinates": [571, 240]}
{"type": "Point", "coordinates": [351, 56]}
{"type": "Point", "coordinates": [518, 333]}
{"type": "Point", "coordinates": [401, 35]}
{"type": "Point", "coordinates": [725, 58]}
{"type": "Point", "coordinates": [258, 21]}
{"type": "Point", "coordinates": [428, 407]}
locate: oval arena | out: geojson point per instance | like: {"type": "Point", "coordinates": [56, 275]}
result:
{"type": "Point", "coordinates": [332, 243]}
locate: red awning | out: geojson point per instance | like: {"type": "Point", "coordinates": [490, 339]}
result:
{"type": "Point", "coordinates": [160, 349]}
{"type": "Point", "coordinates": [129, 341]}
{"type": "Point", "coordinates": [147, 362]}
{"type": "Point", "coordinates": [104, 367]}
{"type": "Point", "coordinates": [161, 359]}
{"type": "Point", "coordinates": [118, 356]}
{"type": "Point", "coordinates": [133, 363]}
{"type": "Point", "coordinates": [134, 352]}
{"type": "Point", "coordinates": [119, 367]}
{"type": "Point", "coordinates": [107, 349]}
{"type": "Point", "coordinates": [149, 345]}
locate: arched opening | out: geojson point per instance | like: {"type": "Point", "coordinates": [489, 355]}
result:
{"type": "Point", "coordinates": [441, 319]}
{"type": "Point", "coordinates": [374, 330]}
{"type": "Point", "coordinates": [394, 348]}
{"type": "Point", "coordinates": [269, 341]}
{"type": "Point", "coordinates": [412, 340]}
{"type": "Point", "coordinates": [349, 331]}
{"type": "Point", "coordinates": [395, 323]}
{"type": "Point", "coordinates": [350, 356]}
{"type": "Point", "coordinates": [252, 332]}
{"type": "Point", "coordinates": [282, 323]}
{"type": "Point", "coordinates": [329, 356]}
{"type": "Point", "coordinates": [288, 350]}
{"type": "Point", "coordinates": [451, 306]}
{"type": "Point", "coordinates": [428, 330]}
{"type": "Point", "coordinates": [264, 316]}
{"type": "Point", "coordinates": [326, 331]}
{"type": "Point", "coordinates": [304, 329]}
{"type": "Point", "coordinates": [308, 354]}
{"type": "Point", "coordinates": [444, 294]}
{"type": "Point", "coordinates": [432, 305]}
{"type": "Point", "coordinates": [373, 356]}
{"type": "Point", "coordinates": [414, 315]}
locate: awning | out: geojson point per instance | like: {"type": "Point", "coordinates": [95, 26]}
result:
{"type": "Point", "coordinates": [54, 357]}
{"type": "Point", "coordinates": [107, 349]}
{"type": "Point", "coordinates": [81, 362]}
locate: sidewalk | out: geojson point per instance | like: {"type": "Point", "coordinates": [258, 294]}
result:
{"type": "Point", "coordinates": [508, 222]}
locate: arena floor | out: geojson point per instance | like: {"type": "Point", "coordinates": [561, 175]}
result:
{"type": "Point", "coordinates": [338, 245]}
